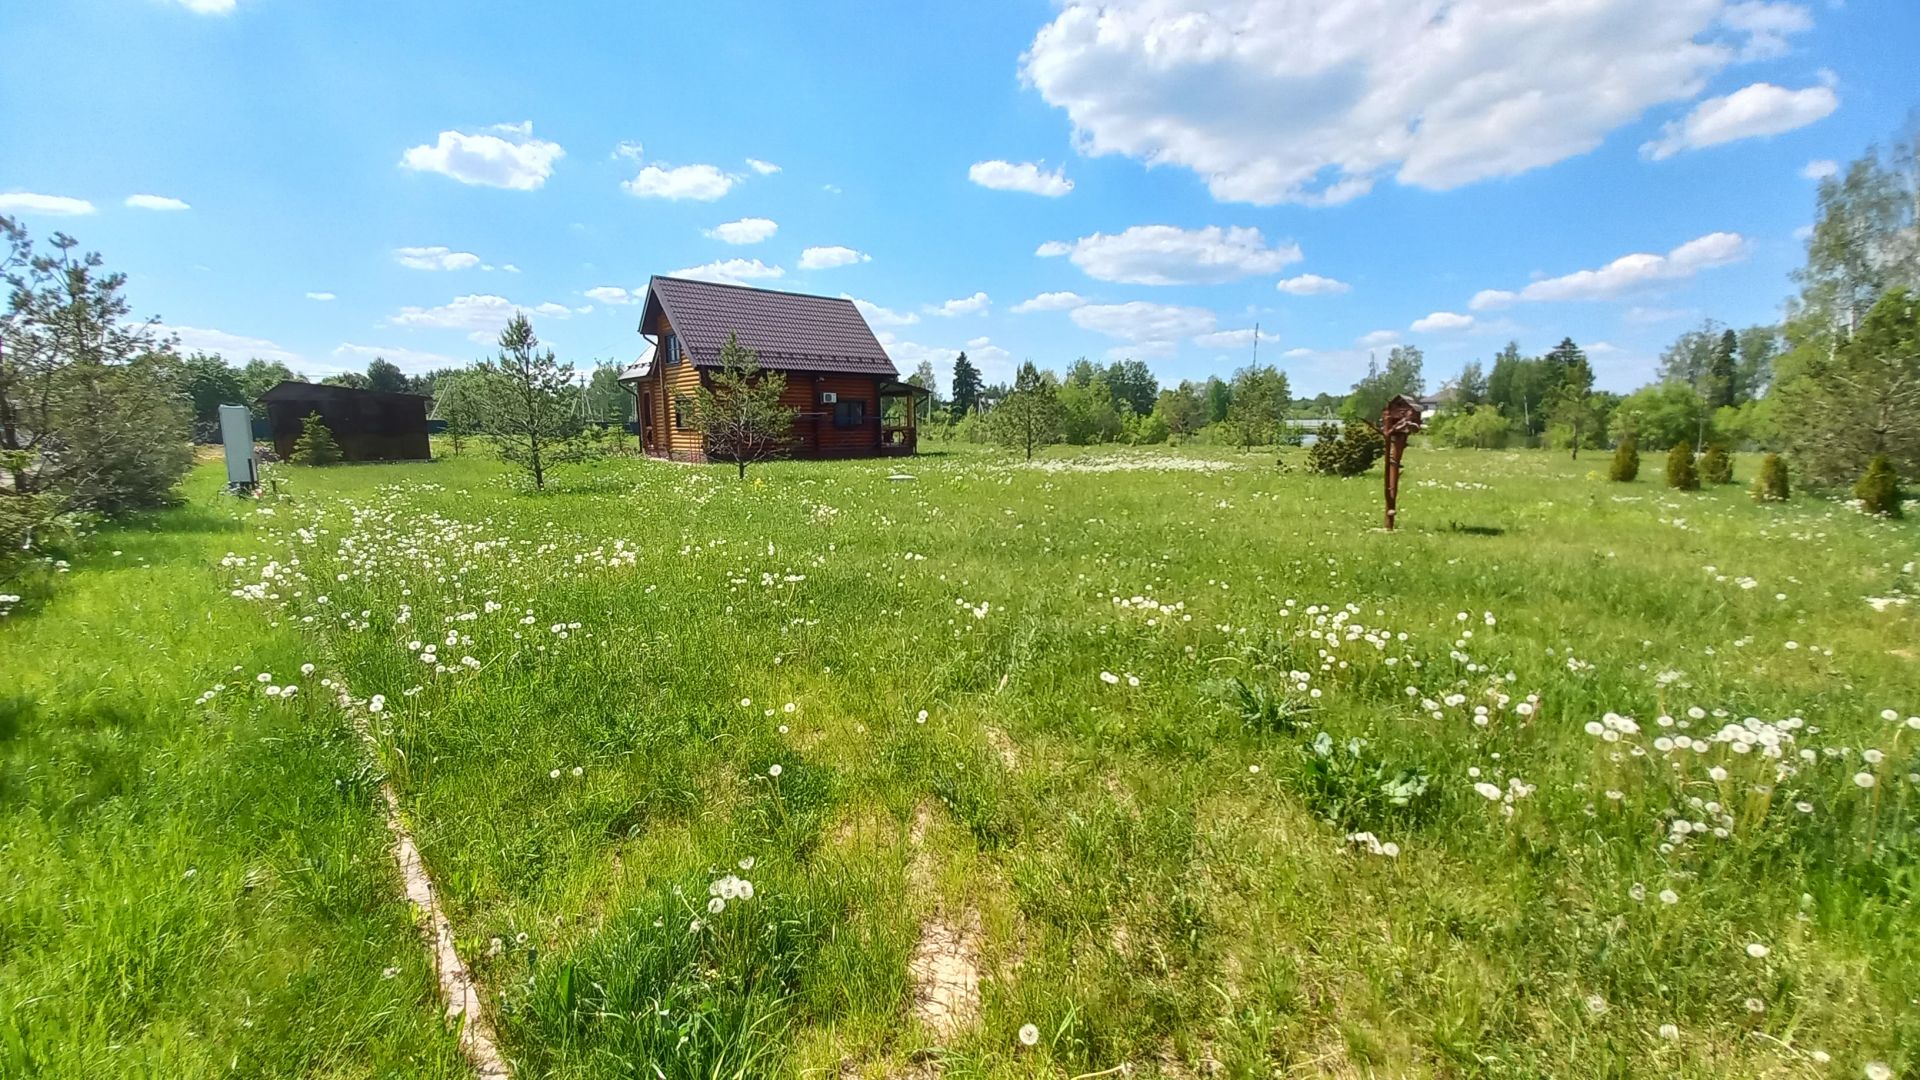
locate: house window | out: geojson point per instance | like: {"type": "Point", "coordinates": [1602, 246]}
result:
{"type": "Point", "coordinates": [849, 414]}
{"type": "Point", "coordinates": [669, 348]}
{"type": "Point", "coordinates": [683, 412]}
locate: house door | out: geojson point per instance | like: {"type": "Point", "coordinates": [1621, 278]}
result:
{"type": "Point", "coordinates": [646, 420]}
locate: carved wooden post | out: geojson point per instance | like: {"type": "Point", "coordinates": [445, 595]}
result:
{"type": "Point", "coordinates": [1399, 419]}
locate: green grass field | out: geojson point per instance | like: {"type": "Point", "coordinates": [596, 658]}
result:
{"type": "Point", "coordinates": [1172, 755]}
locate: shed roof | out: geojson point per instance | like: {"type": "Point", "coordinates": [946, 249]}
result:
{"type": "Point", "coordinates": [294, 390]}
{"type": "Point", "coordinates": [788, 331]}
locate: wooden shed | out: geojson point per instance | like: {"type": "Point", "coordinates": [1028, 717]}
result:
{"type": "Point", "coordinates": [846, 394]}
{"type": "Point", "coordinates": [369, 425]}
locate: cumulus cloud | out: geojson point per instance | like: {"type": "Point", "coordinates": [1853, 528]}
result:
{"type": "Point", "coordinates": [208, 7]}
{"type": "Point", "coordinates": [435, 258]}
{"type": "Point", "coordinates": [1442, 322]}
{"type": "Point", "coordinates": [730, 271]}
{"type": "Point", "coordinates": [749, 230]}
{"type": "Point", "coordinates": [1168, 255]}
{"type": "Point", "coordinates": [994, 361]}
{"type": "Point", "coordinates": [321, 296]}
{"type": "Point", "coordinates": [236, 347]}
{"type": "Point", "coordinates": [1625, 274]}
{"type": "Point", "coordinates": [1820, 169]}
{"type": "Point", "coordinates": [1152, 330]}
{"type": "Point", "coordinates": [155, 202]}
{"type": "Point", "coordinates": [824, 258]}
{"type": "Point", "coordinates": [1767, 24]}
{"type": "Point", "coordinates": [968, 305]}
{"type": "Point", "coordinates": [764, 168]}
{"type": "Point", "coordinates": [502, 156]}
{"type": "Point", "coordinates": [1750, 112]}
{"type": "Point", "coordinates": [1312, 285]}
{"type": "Point", "coordinates": [27, 202]}
{"type": "Point", "coordinates": [614, 294]}
{"type": "Point", "coordinates": [881, 316]}
{"type": "Point", "coordinates": [1377, 339]}
{"type": "Point", "coordinates": [1228, 339]}
{"type": "Point", "coordinates": [1049, 301]}
{"type": "Point", "coordinates": [482, 316]}
{"type": "Point", "coordinates": [1024, 176]}
{"type": "Point", "coordinates": [1274, 101]}
{"type": "Point", "coordinates": [409, 360]}
{"type": "Point", "coordinates": [703, 183]}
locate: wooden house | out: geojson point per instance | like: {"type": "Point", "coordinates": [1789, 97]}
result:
{"type": "Point", "coordinates": [369, 425]}
{"type": "Point", "coordinates": [847, 397]}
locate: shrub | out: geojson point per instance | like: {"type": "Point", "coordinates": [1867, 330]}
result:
{"type": "Point", "coordinates": [1879, 488]}
{"type": "Point", "coordinates": [1626, 461]}
{"type": "Point", "coordinates": [1680, 471]}
{"type": "Point", "coordinates": [1716, 465]}
{"type": "Point", "coordinates": [1771, 484]}
{"type": "Point", "coordinates": [315, 445]}
{"type": "Point", "coordinates": [1351, 787]}
{"type": "Point", "coordinates": [1349, 453]}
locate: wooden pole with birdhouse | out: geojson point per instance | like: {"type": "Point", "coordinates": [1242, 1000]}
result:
{"type": "Point", "coordinates": [1398, 420]}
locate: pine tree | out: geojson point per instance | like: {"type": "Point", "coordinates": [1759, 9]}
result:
{"type": "Point", "coordinates": [1680, 471]}
{"type": "Point", "coordinates": [1626, 461]}
{"type": "Point", "coordinates": [1716, 465]}
{"type": "Point", "coordinates": [528, 405]}
{"type": "Point", "coordinates": [1771, 484]}
{"type": "Point", "coordinates": [1030, 416]}
{"type": "Point", "coordinates": [1879, 488]}
{"type": "Point", "coordinates": [315, 445]}
{"type": "Point", "coordinates": [739, 413]}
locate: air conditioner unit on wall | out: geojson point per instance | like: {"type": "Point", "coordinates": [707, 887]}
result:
{"type": "Point", "coordinates": [828, 397]}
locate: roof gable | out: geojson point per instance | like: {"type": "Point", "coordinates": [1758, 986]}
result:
{"type": "Point", "coordinates": [788, 331]}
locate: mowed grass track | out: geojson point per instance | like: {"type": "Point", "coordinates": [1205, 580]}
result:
{"type": "Point", "coordinates": [1173, 750]}
{"type": "Point", "coordinates": [187, 888]}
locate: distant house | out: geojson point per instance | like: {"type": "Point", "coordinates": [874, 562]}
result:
{"type": "Point", "coordinates": [847, 395]}
{"type": "Point", "coordinates": [369, 425]}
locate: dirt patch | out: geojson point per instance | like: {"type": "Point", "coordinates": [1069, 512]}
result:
{"type": "Point", "coordinates": [946, 975]}
{"type": "Point", "coordinates": [1003, 746]}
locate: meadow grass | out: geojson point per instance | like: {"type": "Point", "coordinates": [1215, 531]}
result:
{"type": "Point", "coordinates": [1205, 773]}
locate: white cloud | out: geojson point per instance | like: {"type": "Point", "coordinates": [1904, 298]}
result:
{"type": "Point", "coordinates": [764, 168]}
{"type": "Point", "coordinates": [481, 315]}
{"type": "Point", "coordinates": [1820, 169]}
{"type": "Point", "coordinates": [825, 258]}
{"type": "Point", "coordinates": [502, 156]}
{"type": "Point", "coordinates": [969, 305]}
{"type": "Point", "coordinates": [1228, 339]}
{"type": "Point", "coordinates": [614, 294]}
{"type": "Point", "coordinates": [321, 296]}
{"type": "Point", "coordinates": [1767, 23]}
{"type": "Point", "coordinates": [1643, 315]}
{"type": "Point", "coordinates": [1282, 101]}
{"type": "Point", "coordinates": [1626, 273]}
{"type": "Point", "coordinates": [702, 182]}
{"type": "Point", "coordinates": [1168, 255]}
{"type": "Point", "coordinates": [730, 271]}
{"type": "Point", "coordinates": [237, 347]}
{"type": "Point", "coordinates": [750, 230]}
{"type": "Point", "coordinates": [1150, 329]}
{"type": "Point", "coordinates": [1312, 285]}
{"type": "Point", "coordinates": [1377, 339]}
{"type": "Point", "coordinates": [1442, 322]}
{"type": "Point", "coordinates": [155, 202]}
{"type": "Point", "coordinates": [413, 361]}
{"type": "Point", "coordinates": [435, 258]}
{"type": "Point", "coordinates": [628, 150]}
{"type": "Point", "coordinates": [208, 7]}
{"type": "Point", "coordinates": [995, 363]}
{"type": "Point", "coordinates": [1049, 301]}
{"type": "Point", "coordinates": [1024, 176]}
{"type": "Point", "coordinates": [1750, 112]}
{"type": "Point", "coordinates": [880, 316]}
{"type": "Point", "coordinates": [26, 202]}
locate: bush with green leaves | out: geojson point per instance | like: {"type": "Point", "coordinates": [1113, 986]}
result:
{"type": "Point", "coordinates": [1626, 461]}
{"type": "Point", "coordinates": [1716, 465]}
{"type": "Point", "coordinates": [1771, 484]}
{"type": "Point", "coordinates": [315, 445]}
{"type": "Point", "coordinates": [1879, 488]}
{"type": "Point", "coordinates": [1350, 452]}
{"type": "Point", "coordinates": [1680, 471]}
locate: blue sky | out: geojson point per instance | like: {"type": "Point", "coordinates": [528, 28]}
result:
{"type": "Point", "coordinates": [324, 182]}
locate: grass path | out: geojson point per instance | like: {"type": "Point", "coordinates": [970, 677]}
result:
{"type": "Point", "coordinates": [191, 889]}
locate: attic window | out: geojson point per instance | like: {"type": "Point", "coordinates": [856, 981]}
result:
{"type": "Point", "coordinates": [669, 348]}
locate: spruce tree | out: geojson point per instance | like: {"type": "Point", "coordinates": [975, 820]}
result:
{"type": "Point", "coordinates": [315, 445]}
{"type": "Point", "coordinates": [966, 386]}
{"type": "Point", "coordinates": [1680, 471]}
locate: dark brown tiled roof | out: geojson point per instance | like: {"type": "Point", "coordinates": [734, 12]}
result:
{"type": "Point", "coordinates": [789, 331]}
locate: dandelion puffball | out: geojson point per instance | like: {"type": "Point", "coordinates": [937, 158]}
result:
{"type": "Point", "coordinates": [1029, 1035]}
{"type": "Point", "coordinates": [774, 770]}
{"type": "Point", "coordinates": [1757, 950]}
